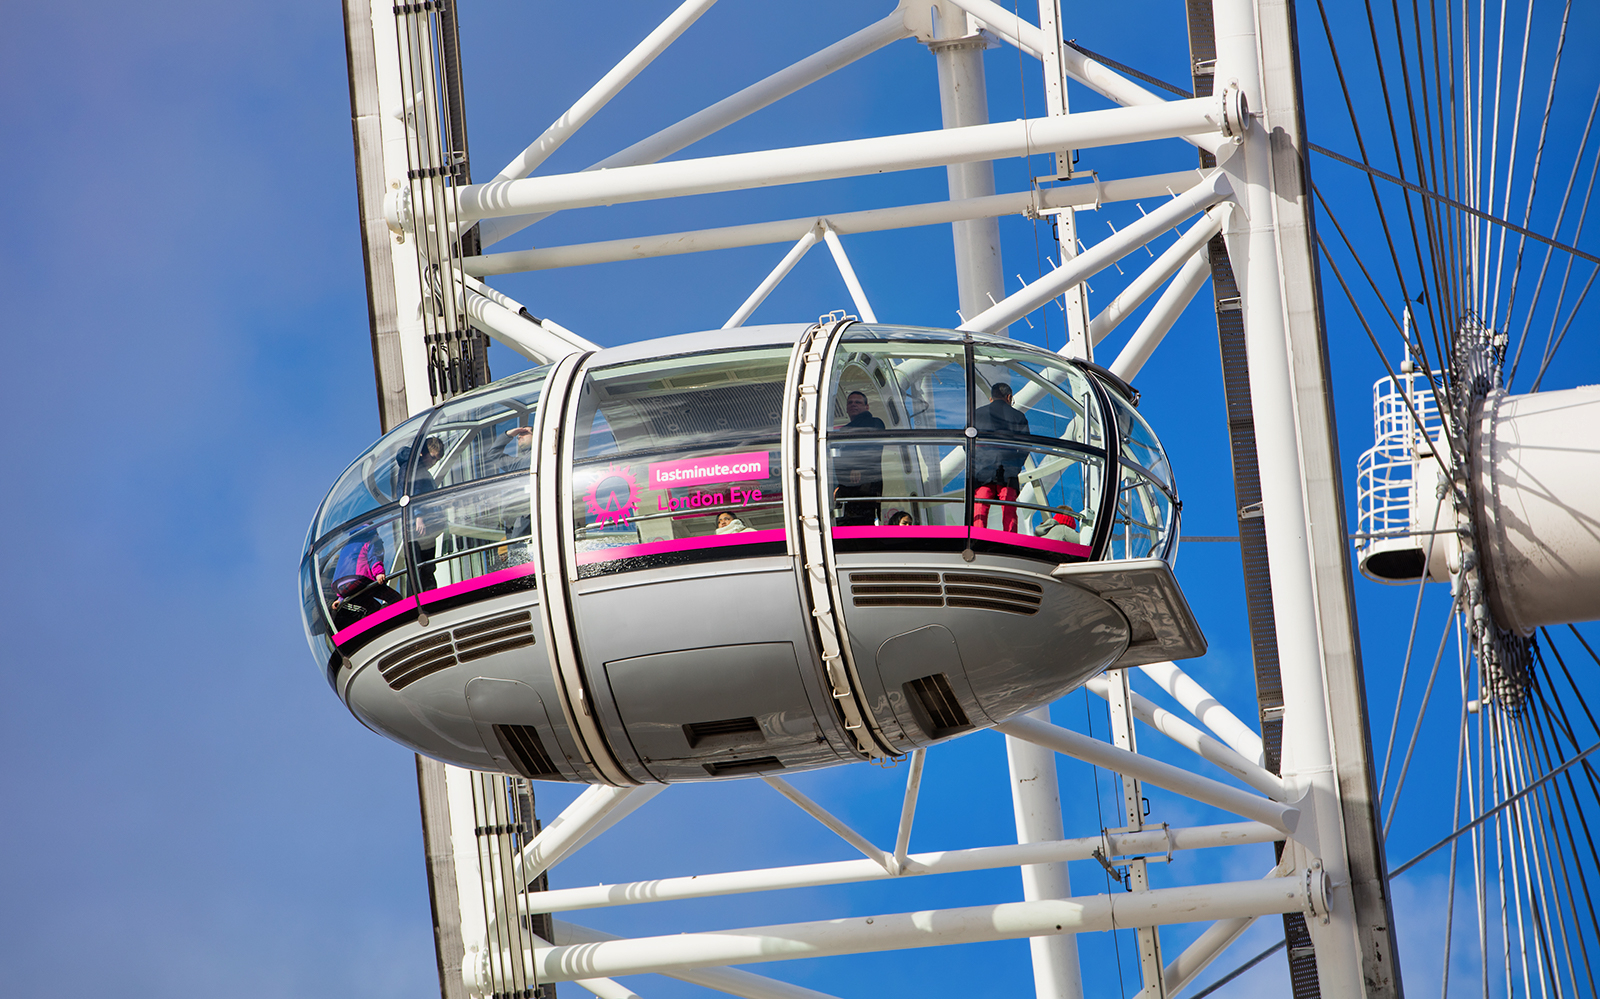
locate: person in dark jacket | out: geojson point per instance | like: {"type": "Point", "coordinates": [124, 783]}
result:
{"type": "Point", "coordinates": [995, 468]}
{"type": "Point", "coordinates": [858, 468]}
{"type": "Point", "coordinates": [425, 547]}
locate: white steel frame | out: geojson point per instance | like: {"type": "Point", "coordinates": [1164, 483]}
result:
{"type": "Point", "coordinates": [1301, 807]}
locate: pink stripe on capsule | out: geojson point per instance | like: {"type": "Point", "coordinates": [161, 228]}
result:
{"type": "Point", "coordinates": [677, 545]}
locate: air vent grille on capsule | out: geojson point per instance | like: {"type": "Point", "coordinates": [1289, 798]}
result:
{"type": "Point", "coordinates": [726, 730]}
{"type": "Point", "coordinates": [415, 660]}
{"type": "Point", "coordinates": [526, 752]}
{"type": "Point", "coordinates": [955, 589]}
{"type": "Point", "coordinates": [751, 766]}
{"type": "Point", "coordinates": [941, 713]}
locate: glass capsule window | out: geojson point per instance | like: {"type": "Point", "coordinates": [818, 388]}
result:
{"type": "Point", "coordinates": [481, 435]}
{"type": "Point", "coordinates": [678, 458]}
{"type": "Point", "coordinates": [962, 438]}
{"type": "Point", "coordinates": [434, 506]}
{"type": "Point", "coordinates": [372, 480]}
{"type": "Point", "coordinates": [360, 569]}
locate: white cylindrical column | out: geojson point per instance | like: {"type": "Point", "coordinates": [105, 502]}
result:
{"type": "Point", "coordinates": [1535, 465]}
{"type": "Point", "coordinates": [1036, 802]}
{"type": "Point", "coordinates": [1252, 240]}
{"type": "Point", "coordinates": [964, 100]}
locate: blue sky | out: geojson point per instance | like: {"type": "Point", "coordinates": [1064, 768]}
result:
{"type": "Point", "coordinates": [188, 809]}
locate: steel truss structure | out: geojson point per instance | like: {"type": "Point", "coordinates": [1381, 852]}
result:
{"type": "Point", "coordinates": [429, 234]}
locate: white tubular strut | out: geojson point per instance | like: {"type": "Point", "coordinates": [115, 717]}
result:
{"type": "Point", "coordinates": [1095, 76]}
{"type": "Point", "coordinates": [1149, 841]}
{"type": "Point", "coordinates": [1102, 255]}
{"type": "Point", "coordinates": [1163, 775]}
{"type": "Point", "coordinates": [1036, 804]}
{"type": "Point", "coordinates": [772, 280]}
{"type": "Point", "coordinates": [851, 282]}
{"type": "Point", "coordinates": [832, 160]}
{"type": "Point", "coordinates": [1207, 710]}
{"type": "Point", "coordinates": [608, 87]}
{"type": "Point", "coordinates": [908, 930]}
{"type": "Point", "coordinates": [1163, 314]}
{"type": "Point", "coordinates": [729, 110]}
{"type": "Point", "coordinates": [729, 980]}
{"type": "Point", "coordinates": [1164, 266]}
{"type": "Point", "coordinates": [870, 220]}
{"type": "Point", "coordinates": [1191, 738]}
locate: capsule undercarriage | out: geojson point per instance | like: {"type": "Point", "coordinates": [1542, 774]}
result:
{"type": "Point", "coordinates": [743, 552]}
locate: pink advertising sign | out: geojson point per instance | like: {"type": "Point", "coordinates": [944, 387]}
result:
{"type": "Point", "coordinates": [715, 468]}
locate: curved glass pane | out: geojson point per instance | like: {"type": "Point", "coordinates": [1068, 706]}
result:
{"type": "Point", "coordinates": [372, 480]}
{"type": "Point", "coordinates": [731, 398]}
{"type": "Point", "coordinates": [361, 569]}
{"type": "Point", "coordinates": [678, 457]}
{"type": "Point", "coordinates": [1139, 443]}
{"type": "Point", "coordinates": [461, 536]}
{"type": "Point", "coordinates": [897, 385]}
{"type": "Point", "coordinates": [677, 501]}
{"type": "Point", "coordinates": [1143, 517]}
{"type": "Point", "coordinates": [880, 481]}
{"type": "Point", "coordinates": [480, 435]}
{"type": "Point", "coordinates": [1019, 391]}
{"type": "Point", "coordinates": [314, 614]}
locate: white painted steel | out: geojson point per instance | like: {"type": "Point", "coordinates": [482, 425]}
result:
{"type": "Point", "coordinates": [1252, 239]}
{"type": "Point", "coordinates": [606, 988]}
{"type": "Point", "coordinates": [729, 980]}
{"type": "Point", "coordinates": [1103, 254]}
{"type": "Point", "coordinates": [772, 280]}
{"type": "Point", "coordinates": [908, 930]}
{"type": "Point", "coordinates": [1036, 805]}
{"type": "Point", "coordinates": [833, 822]}
{"type": "Point", "coordinates": [1536, 459]}
{"type": "Point", "coordinates": [908, 809]}
{"type": "Point", "coordinates": [1194, 740]}
{"type": "Point", "coordinates": [1162, 775]}
{"type": "Point", "coordinates": [1149, 279]}
{"type": "Point", "coordinates": [510, 304]}
{"type": "Point", "coordinates": [964, 102]}
{"type": "Point", "coordinates": [524, 336]}
{"type": "Point", "coordinates": [607, 87]}
{"type": "Point", "coordinates": [1162, 315]}
{"type": "Point", "coordinates": [1218, 937]}
{"type": "Point", "coordinates": [1151, 841]}
{"type": "Point", "coordinates": [851, 282]}
{"type": "Point", "coordinates": [1224, 724]}
{"type": "Point", "coordinates": [871, 220]}
{"type": "Point", "coordinates": [832, 160]}
{"type": "Point", "coordinates": [563, 833]}
{"type": "Point", "coordinates": [729, 110]}
{"type": "Point", "coordinates": [1080, 67]}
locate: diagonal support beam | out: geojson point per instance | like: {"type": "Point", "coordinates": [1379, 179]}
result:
{"type": "Point", "coordinates": [851, 282]}
{"type": "Point", "coordinates": [729, 110]}
{"type": "Point", "coordinates": [1167, 264]}
{"type": "Point", "coordinates": [608, 86]}
{"type": "Point", "coordinates": [1162, 315]}
{"type": "Point", "coordinates": [1102, 255]}
{"type": "Point", "coordinates": [594, 811]}
{"type": "Point", "coordinates": [772, 280]}
{"type": "Point", "coordinates": [1163, 775]}
{"type": "Point", "coordinates": [1196, 741]}
{"type": "Point", "coordinates": [828, 819]}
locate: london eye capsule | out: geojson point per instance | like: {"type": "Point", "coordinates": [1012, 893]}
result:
{"type": "Point", "coordinates": [745, 551]}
